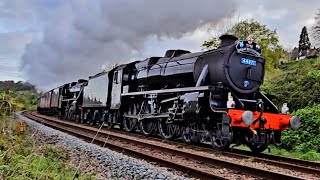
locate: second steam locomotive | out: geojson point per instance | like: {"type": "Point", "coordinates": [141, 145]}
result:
{"type": "Point", "coordinates": [198, 97]}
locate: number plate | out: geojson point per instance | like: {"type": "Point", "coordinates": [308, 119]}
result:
{"type": "Point", "coordinates": [248, 62]}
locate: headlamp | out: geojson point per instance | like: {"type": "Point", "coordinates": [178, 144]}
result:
{"type": "Point", "coordinates": [295, 122]}
{"type": "Point", "coordinates": [247, 118]}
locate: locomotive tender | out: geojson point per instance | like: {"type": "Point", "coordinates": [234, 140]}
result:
{"type": "Point", "coordinates": [212, 95]}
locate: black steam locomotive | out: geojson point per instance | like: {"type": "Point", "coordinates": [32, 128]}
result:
{"type": "Point", "coordinates": [212, 95]}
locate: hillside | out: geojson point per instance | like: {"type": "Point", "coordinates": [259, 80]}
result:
{"type": "Point", "coordinates": [18, 86]}
{"type": "Point", "coordinates": [297, 84]}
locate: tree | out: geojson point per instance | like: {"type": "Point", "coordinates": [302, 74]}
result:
{"type": "Point", "coordinates": [211, 43]}
{"type": "Point", "coordinates": [304, 42]}
{"type": "Point", "coordinates": [268, 40]}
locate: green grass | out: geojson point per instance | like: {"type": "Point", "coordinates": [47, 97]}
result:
{"type": "Point", "coordinates": [310, 155]}
{"type": "Point", "coordinates": [36, 166]}
{"type": "Point", "coordinates": [20, 158]}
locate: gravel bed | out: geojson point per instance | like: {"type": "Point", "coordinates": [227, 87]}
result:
{"type": "Point", "coordinates": [93, 159]}
{"type": "Point", "coordinates": [206, 167]}
{"type": "Point", "coordinates": [247, 162]}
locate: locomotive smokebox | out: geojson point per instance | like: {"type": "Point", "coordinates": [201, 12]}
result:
{"type": "Point", "coordinates": [239, 66]}
{"type": "Point", "coordinates": [227, 39]}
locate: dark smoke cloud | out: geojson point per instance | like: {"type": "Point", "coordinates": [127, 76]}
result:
{"type": "Point", "coordinates": [78, 37]}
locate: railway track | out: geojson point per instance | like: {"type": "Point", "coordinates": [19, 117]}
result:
{"type": "Point", "coordinates": [284, 162]}
{"type": "Point", "coordinates": [176, 156]}
{"type": "Point", "coordinates": [306, 166]}
{"type": "Point", "coordinates": [290, 163]}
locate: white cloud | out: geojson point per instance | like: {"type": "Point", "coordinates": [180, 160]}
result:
{"type": "Point", "coordinates": [83, 35]}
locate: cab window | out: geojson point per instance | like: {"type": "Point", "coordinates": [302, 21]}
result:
{"type": "Point", "coordinates": [115, 77]}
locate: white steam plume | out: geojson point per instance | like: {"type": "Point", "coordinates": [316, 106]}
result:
{"type": "Point", "coordinates": [79, 36]}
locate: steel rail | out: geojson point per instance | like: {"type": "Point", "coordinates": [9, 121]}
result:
{"type": "Point", "coordinates": [104, 141]}
{"type": "Point", "coordinates": [208, 160]}
{"type": "Point", "coordinates": [307, 166]}
{"type": "Point", "coordinates": [310, 167]}
{"type": "Point", "coordinates": [279, 161]}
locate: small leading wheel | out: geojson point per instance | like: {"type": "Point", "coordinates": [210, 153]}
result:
{"type": "Point", "coordinates": [129, 123]}
{"type": "Point", "coordinates": [256, 147]}
{"type": "Point", "coordinates": [218, 142]}
{"type": "Point", "coordinates": [188, 133]}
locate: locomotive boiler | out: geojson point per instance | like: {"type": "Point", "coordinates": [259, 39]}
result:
{"type": "Point", "coordinates": [205, 96]}
{"type": "Point", "coordinates": [242, 73]}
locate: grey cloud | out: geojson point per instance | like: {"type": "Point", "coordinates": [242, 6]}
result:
{"type": "Point", "coordinates": [12, 43]}
{"type": "Point", "coordinates": [79, 36]}
{"type": "Point", "coordinates": [11, 46]}
{"type": "Point", "coordinates": [288, 16]}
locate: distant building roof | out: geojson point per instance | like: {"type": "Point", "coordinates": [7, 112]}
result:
{"type": "Point", "coordinates": [295, 53]}
{"type": "Point", "coordinates": [311, 53]}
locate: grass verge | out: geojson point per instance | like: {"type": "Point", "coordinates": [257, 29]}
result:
{"type": "Point", "coordinates": [309, 155]}
{"type": "Point", "coordinates": [22, 158]}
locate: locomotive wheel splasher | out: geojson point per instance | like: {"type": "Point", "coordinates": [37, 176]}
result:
{"type": "Point", "coordinates": [221, 135]}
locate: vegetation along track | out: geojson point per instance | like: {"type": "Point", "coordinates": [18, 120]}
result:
{"type": "Point", "coordinates": [185, 158]}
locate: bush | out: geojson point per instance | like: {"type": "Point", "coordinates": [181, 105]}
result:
{"type": "Point", "coordinates": [298, 84]}
{"type": "Point", "coordinates": [20, 100]}
{"type": "Point", "coordinates": [307, 137]}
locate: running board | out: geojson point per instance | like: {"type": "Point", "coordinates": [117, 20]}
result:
{"type": "Point", "coordinates": [186, 89]}
{"type": "Point", "coordinates": [147, 116]}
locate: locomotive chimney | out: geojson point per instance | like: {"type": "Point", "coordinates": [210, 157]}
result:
{"type": "Point", "coordinates": [227, 39]}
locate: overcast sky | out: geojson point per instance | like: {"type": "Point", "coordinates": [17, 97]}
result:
{"type": "Point", "coordinates": [54, 41]}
